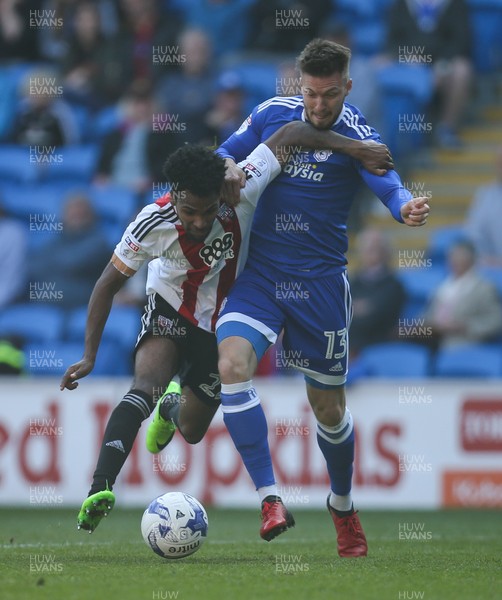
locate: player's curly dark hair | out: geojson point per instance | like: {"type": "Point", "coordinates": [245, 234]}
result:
{"type": "Point", "coordinates": [323, 57]}
{"type": "Point", "coordinates": [195, 168]}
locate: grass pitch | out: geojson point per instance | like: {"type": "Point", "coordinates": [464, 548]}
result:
{"type": "Point", "coordinates": [444, 555]}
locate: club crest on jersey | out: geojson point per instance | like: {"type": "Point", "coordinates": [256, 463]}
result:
{"type": "Point", "coordinates": [322, 155]}
{"type": "Point", "coordinates": [219, 248]}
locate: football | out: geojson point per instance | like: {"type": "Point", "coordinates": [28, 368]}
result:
{"type": "Point", "coordinates": [174, 525]}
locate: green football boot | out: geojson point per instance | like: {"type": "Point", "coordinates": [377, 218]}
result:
{"type": "Point", "coordinates": [94, 508]}
{"type": "Point", "coordinates": [160, 431]}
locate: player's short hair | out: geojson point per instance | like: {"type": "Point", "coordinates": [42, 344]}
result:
{"type": "Point", "coordinates": [197, 169]}
{"type": "Point", "coordinates": [321, 58]}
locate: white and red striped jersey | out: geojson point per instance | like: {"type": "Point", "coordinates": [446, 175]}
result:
{"type": "Point", "coordinates": [194, 277]}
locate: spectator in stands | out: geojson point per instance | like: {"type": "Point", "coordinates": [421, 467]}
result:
{"type": "Point", "coordinates": [44, 118]}
{"type": "Point", "coordinates": [129, 54]}
{"type": "Point", "coordinates": [437, 31]}
{"type": "Point", "coordinates": [227, 112]}
{"type": "Point", "coordinates": [133, 153]}
{"type": "Point", "coordinates": [55, 41]}
{"type": "Point", "coordinates": [466, 307]}
{"type": "Point", "coordinates": [188, 95]}
{"type": "Point", "coordinates": [484, 218]}
{"type": "Point", "coordinates": [377, 294]}
{"type": "Point", "coordinates": [18, 40]}
{"type": "Point", "coordinates": [13, 259]}
{"type": "Point", "coordinates": [75, 258]}
{"type": "Point", "coordinates": [81, 62]}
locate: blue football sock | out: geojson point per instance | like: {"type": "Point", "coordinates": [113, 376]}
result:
{"type": "Point", "coordinates": [337, 445]}
{"type": "Point", "coordinates": [247, 425]}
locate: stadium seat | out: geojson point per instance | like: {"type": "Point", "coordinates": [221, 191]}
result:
{"type": "Point", "coordinates": [15, 164]}
{"type": "Point", "coordinates": [113, 203]}
{"type": "Point", "coordinates": [122, 327]}
{"type": "Point", "coordinates": [53, 359]}
{"type": "Point", "coordinates": [366, 20]}
{"type": "Point", "coordinates": [420, 283]}
{"type": "Point", "coordinates": [259, 78]}
{"type": "Point", "coordinates": [486, 25]}
{"type": "Point", "coordinates": [105, 121]}
{"type": "Point", "coordinates": [394, 359]}
{"type": "Point", "coordinates": [33, 322]}
{"type": "Point", "coordinates": [406, 91]}
{"type": "Point", "coordinates": [77, 164]}
{"type": "Point", "coordinates": [441, 240]}
{"type": "Point", "coordinates": [33, 199]}
{"type": "Point", "coordinates": [470, 360]}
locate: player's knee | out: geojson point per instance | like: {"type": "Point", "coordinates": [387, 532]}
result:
{"type": "Point", "coordinates": [233, 368]}
{"type": "Point", "coordinates": [191, 435]}
{"type": "Point", "coordinates": [330, 409]}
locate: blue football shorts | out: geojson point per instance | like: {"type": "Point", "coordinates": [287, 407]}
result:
{"type": "Point", "coordinates": [314, 313]}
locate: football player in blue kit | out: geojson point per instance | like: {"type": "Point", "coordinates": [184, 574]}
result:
{"type": "Point", "coordinates": [295, 281]}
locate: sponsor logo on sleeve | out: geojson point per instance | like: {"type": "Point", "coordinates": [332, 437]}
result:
{"type": "Point", "coordinates": [251, 169]}
{"type": "Point", "coordinates": [134, 246]}
{"type": "Point", "coordinates": [244, 126]}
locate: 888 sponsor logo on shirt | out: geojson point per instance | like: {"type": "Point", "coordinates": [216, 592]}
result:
{"type": "Point", "coordinates": [219, 248]}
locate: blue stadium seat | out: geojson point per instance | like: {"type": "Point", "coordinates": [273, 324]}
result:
{"type": "Point", "coordinates": [33, 322]}
{"type": "Point", "coordinates": [260, 80]}
{"type": "Point", "coordinates": [470, 360]}
{"type": "Point", "coordinates": [105, 121]}
{"type": "Point", "coordinates": [440, 241]}
{"type": "Point", "coordinates": [77, 164]}
{"type": "Point", "coordinates": [486, 24]}
{"type": "Point", "coordinates": [406, 91]}
{"type": "Point", "coordinates": [113, 203]}
{"type": "Point", "coordinates": [420, 283]}
{"type": "Point", "coordinates": [53, 359]}
{"type": "Point", "coordinates": [15, 164]}
{"type": "Point", "coordinates": [394, 359]}
{"type": "Point", "coordinates": [32, 199]}
{"type": "Point", "coordinates": [368, 38]}
{"type": "Point", "coordinates": [122, 327]}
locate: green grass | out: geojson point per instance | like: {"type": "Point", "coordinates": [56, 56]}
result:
{"type": "Point", "coordinates": [462, 559]}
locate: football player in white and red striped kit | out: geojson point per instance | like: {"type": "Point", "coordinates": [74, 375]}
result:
{"type": "Point", "coordinates": [198, 247]}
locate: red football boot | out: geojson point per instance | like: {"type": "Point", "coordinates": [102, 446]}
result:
{"type": "Point", "coordinates": [350, 535]}
{"type": "Point", "coordinates": [275, 517]}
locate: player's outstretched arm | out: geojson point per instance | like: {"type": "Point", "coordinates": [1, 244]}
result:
{"type": "Point", "coordinates": [100, 304]}
{"type": "Point", "coordinates": [375, 157]}
{"type": "Point", "coordinates": [415, 212]}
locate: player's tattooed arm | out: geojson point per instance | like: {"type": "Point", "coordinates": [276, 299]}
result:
{"type": "Point", "coordinates": [375, 157]}
{"type": "Point", "coordinates": [100, 304]}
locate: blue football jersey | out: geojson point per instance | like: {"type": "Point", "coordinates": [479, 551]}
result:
{"type": "Point", "coordinates": [300, 223]}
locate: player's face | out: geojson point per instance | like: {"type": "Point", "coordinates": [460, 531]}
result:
{"type": "Point", "coordinates": [323, 98]}
{"type": "Point", "coordinates": [196, 213]}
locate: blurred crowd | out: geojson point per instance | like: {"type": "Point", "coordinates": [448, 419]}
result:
{"type": "Point", "coordinates": [126, 82]}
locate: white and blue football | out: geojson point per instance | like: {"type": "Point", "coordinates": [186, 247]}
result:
{"type": "Point", "coordinates": [174, 525]}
